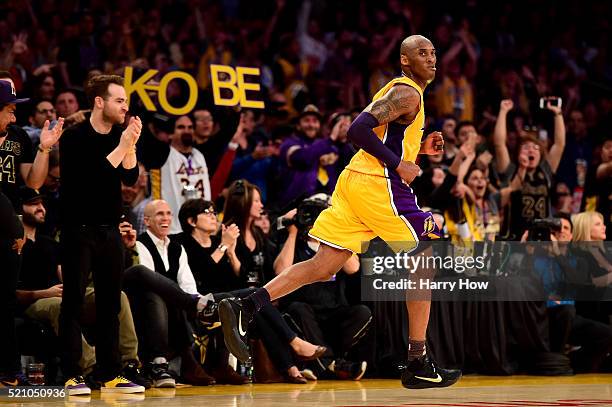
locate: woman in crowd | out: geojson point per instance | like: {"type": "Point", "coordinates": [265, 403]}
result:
{"type": "Point", "coordinates": [535, 166]}
{"type": "Point", "coordinates": [478, 209]}
{"type": "Point", "coordinates": [473, 211]}
{"type": "Point", "coordinates": [589, 235]}
{"type": "Point", "coordinates": [256, 254]}
{"type": "Point", "coordinates": [590, 227]}
{"type": "Point", "coordinates": [212, 255]}
{"type": "Point", "coordinates": [218, 269]}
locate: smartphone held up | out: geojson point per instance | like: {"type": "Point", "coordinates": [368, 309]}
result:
{"type": "Point", "coordinates": [553, 101]}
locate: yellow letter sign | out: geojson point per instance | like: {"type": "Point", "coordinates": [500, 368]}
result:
{"type": "Point", "coordinates": [234, 82]}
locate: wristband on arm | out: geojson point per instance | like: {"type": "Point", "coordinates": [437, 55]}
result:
{"type": "Point", "coordinates": [362, 133]}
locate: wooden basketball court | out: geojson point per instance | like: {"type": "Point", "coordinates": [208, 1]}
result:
{"type": "Point", "coordinates": [471, 391]}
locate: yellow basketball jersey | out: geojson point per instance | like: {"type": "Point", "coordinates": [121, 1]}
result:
{"type": "Point", "coordinates": [403, 140]}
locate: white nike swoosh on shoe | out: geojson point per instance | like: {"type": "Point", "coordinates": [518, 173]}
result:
{"type": "Point", "coordinates": [437, 379]}
{"type": "Point", "coordinates": [240, 330]}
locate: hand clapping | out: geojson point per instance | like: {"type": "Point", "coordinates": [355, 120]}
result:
{"type": "Point", "coordinates": [229, 234]}
{"type": "Point", "coordinates": [131, 134]}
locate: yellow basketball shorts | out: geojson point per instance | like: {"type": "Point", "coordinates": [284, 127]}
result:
{"type": "Point", "coordinates": [364, 206]}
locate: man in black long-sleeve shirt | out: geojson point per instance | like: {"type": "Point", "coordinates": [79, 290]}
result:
{"type": "Point", "coordinates": [96, 149]}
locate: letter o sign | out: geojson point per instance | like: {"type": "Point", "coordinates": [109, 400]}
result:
{"type": "Point", "coordinates": [193, 93]}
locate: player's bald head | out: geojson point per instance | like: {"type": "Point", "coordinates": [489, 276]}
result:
{"type": "Point", "coordinates": [418, 59]}
{"type": "Point", "coordinates": [414, 42]}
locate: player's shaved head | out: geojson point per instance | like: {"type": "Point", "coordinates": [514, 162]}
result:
{"type": "Point", "coordinates": [414, 42]}
{"type": "Point", "coordinates": [418, 59]}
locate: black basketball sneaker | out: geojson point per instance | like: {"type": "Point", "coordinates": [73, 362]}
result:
{"type": "Point", "coordinates": [423, 373]}
{"type": "Point", "coordinates": [234, 322]}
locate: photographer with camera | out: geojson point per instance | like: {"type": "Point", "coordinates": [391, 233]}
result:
{"type": "Point", "coordinates": [557, 268]}
{"type": "Point", "coordinates": [535, 166]}
{"type": "Point", "coordinates": [321, 309]}
{"type": "Point", "coordinates": [540, 230]}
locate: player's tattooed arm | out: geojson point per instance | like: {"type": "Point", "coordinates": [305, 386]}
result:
{"type": "Point", "coordinates": [400, 104]}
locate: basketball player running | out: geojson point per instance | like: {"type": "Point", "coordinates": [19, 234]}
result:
{"type": "Point", "coordinates": [389, 132]}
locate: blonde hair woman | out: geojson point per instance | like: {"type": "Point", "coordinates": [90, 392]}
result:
{"type": "Point", "coordinates": [590, 227]}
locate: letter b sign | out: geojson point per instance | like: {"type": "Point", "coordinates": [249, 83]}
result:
{"type": "Point", "coordinates": [234, 82]}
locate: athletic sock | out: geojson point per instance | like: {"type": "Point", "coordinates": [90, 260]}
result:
{"type": "Point", "coordinates": [256, 301]}
{"type": "Point", "coordinates": [416, 349]}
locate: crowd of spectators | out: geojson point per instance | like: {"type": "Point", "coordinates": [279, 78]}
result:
{"type": "Point", "coordinates": [513, 153]}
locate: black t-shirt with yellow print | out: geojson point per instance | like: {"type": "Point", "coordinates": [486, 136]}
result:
{"type": "Point", "coordinates": [16, 149]}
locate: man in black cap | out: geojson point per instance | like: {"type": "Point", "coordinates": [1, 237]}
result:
{"type": "Point", "coordinates": [40, 273]}
{"type": "Point", "coordinates": [309, 161]}
{"type": "Point", "coordinates": [15, 157]}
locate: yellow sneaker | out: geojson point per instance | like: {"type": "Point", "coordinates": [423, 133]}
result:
{"type": "Point", "coordinates": [121, 385]}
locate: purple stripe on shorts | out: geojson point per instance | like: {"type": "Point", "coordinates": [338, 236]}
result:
{"type": "Point", "coordinates": [405, 202]}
